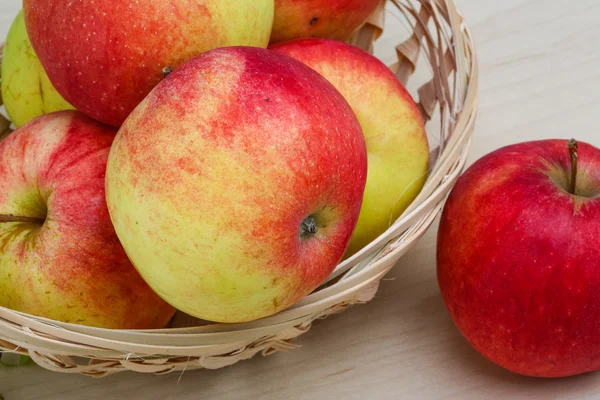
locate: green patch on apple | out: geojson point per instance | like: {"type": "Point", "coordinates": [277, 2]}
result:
{"type": "Point", "coordinates": [26, 90]}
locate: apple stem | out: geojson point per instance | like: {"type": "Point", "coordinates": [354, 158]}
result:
{"type": "Point", "coordinates": [15, 218]}
{"type": "Point", "coordinates": [573, 147]}
{"type": "Point", "coordinates": [166, 71]}
{"type": "Point", "coordinates": [308, 227]}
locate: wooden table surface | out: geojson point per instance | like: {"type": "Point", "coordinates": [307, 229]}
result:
{"type": "Point", "coordinates": [540, 78]}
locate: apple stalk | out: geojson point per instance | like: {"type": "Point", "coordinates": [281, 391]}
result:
{"type": "Point", "coordinates": [308, 227]}
{"type": "Point", "coordinates": [15, 218]}
{"type": "Point", "coordinates": [573, 147]}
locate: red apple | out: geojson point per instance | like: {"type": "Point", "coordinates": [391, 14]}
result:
{"type": "Point", "coordinates": [104, 56]}
{"type": "Point", "coordinates": [397, 145]}
{"type": "Point", "coordinates": [236, 184]}
{"type": "Point", "coordinates": [519, 258]}
{"type": "Point", "coordinates": [60, 257]}
{"type": "Point", "coordinates": [330, 19]}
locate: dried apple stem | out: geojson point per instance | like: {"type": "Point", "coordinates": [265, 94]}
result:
{"type": "Point", "coordinates": [308, 227]}
{"type": "Point", "coordinates": [573, 147]}
{"type": "Point", "coordinates": [166, 71]}
{"type": "Point", "coordinates": [16, 218]}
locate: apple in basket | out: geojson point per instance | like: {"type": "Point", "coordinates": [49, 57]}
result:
{"type": "Point", "coordinates": [236, 184]}
{"type": "Point", "coordinates": [397, 146]}
{"type": "Point", "coordinates": [26, 90]}
{"type": "Point", "coordinates": [332, 19]}
{"type": "Point", "coordinates": [519, 257]}
{"type": "Point", "coordinates": [104, 56]}
{"type": "Point", "coordinates": [59, 255]}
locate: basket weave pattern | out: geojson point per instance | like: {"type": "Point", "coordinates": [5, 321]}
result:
{"type": "Point", "coordinates": [438, 41]}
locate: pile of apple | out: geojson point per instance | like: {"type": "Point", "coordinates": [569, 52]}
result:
{"type": "Point", "coordinates": [166, 159]}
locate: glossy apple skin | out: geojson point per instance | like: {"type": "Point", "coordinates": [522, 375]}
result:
{"type": "Point", "coordinates": [104, 56]}
{"type": "Point", "coordinates": [72, 267]}
{"type": "Point", "coordinates": [519, 259]}
{"type": "Point", "coordinates": [329, 19]}
{"type": "Point", "coordinates": [211, 177]}
{"type": "Point", "coordinates": [397, 146]}
{"type": "Point", "coordinates": [27, 92]}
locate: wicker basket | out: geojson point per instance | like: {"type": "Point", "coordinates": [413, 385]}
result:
{"type": "Point", "coordinates": [439, 47]}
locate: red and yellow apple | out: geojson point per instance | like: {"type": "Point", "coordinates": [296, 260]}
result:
{"type": "Point", "coordinates": [397, 146]}
{"type": "Point", "coordinates": [330, 19]}
{"type": "Point", "coordinates": [236, 184]}
{"type": "Point", "coordinates": [60, 257]}
{"type": "Point", "coordinates": [519, 258]}
{"type": "Point", "coordinates": [26, 90]}
{"type": "Point", "coordinates": [104, 56]}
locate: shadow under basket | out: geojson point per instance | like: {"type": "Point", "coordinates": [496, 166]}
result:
{"type": "Point", "coordinates": [437, 58]}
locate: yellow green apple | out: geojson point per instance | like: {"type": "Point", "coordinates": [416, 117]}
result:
{"type": "Point", "coordinates": [26, 90]}
{"type": "Point", "coordinates": [60, 257]}
{"type": "Point", "coordinates": [104, 56]}
{"type": "Point", "coordinates": [236, 184]}
{"type": "Point", "coordinates": [397, 143]}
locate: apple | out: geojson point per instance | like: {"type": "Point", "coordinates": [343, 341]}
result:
{"type": "Point", "coordinates": [236, 184]}
{"type": "Point", "coordinates": [518, 259]}
{"type": "Point", "coordinates": [397, 147]}
{"type": "Point", "coordinates": [60, 257]}
{"type": "Point", "coordinates": [330, 19]}
{"type": "Point", "coordinates": [26, 89]}
{"type": "Point", "coordinates": [104, 56]}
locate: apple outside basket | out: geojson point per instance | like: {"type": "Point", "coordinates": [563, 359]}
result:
{"type": "Point", "coordinates": [438, 54]}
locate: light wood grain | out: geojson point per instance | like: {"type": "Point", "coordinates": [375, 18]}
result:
{"type": "Point", "coordinates": [539, 79]}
